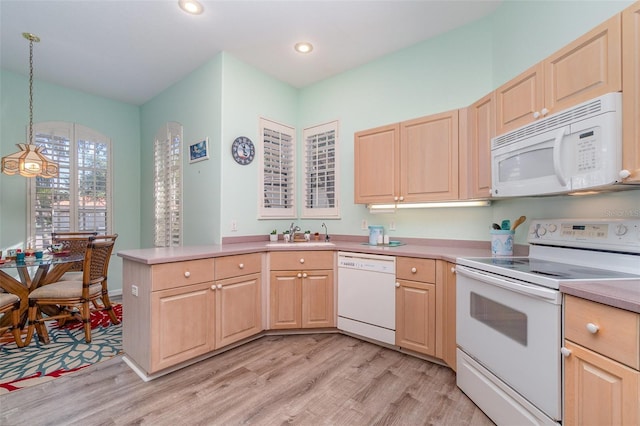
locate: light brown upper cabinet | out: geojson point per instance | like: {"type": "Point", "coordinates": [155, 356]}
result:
{"type": "Point", "coordinates": [377, 164]}
{"type": "Point", "coordinates": [588, 67]}
{"type": "Point", "coordinates": [631, 91]}
{"type": "Point", "coordinates": [413, 161]}
{"type": "Point", "coordinates": [477, 127]}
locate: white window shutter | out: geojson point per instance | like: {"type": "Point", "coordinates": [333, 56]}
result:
{"type": "Point", "coordinates": [278, 167]}
{"type": "Point", "coordinates": [167, 151]}
{"type": "Point", "coordinates": [79, 198]}
{"type": "Point", "coordinates": [321, 171]}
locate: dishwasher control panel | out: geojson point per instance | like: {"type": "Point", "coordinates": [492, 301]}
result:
{"type": "Point", "coordinates": [367, 262]}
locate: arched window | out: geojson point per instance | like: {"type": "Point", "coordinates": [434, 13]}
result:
{"type": "Point", "coordinates": [79, 199]}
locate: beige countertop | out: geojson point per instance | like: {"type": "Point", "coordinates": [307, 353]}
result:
{"type": "Point", "coordinates": [620, 294]}
{"type": "Point", "coordinates": [447, 250]}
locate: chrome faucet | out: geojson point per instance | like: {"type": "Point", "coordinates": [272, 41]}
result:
{"type": "Point", "coordinates": [326, 232]}
{"type": "Point", "coordinates": [292, 229]}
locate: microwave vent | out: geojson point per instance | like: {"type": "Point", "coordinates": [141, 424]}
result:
{"type": "Point", "coordinates": [564, 118]}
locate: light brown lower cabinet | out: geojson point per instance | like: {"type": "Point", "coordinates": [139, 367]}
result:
{"type": "Point", "coordinates": [416, 304]}
{"type": "Point", "coordinates": [449, 314]}
{"type": "Point", "coordinates": [301, 293]}
{"type": "Point", "coordinates": [301, 299]}
{"type": "Point", "coordinates": [601, 364]}
{"type": "Point", "coordinates": [175, 312]}
{"type": "Point", "coordinates": [599, 390]}
{"type": "Point", "coordinates": [182, 324]}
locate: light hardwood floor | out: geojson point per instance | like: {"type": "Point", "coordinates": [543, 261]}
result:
{"type": "Point", "coordinates": [315, 379]}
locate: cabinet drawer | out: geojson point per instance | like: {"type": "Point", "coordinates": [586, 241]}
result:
{"type": "Point", "coordinates": [618, 331]}
{"type": "Point", "coordinates": [414, 269]}
{"type": "Point", "coordinates": [178, 274]}
{"type": "Point", "coordinates": [235, 266]}
{"type": "Point", "coordinates": [298, 260]}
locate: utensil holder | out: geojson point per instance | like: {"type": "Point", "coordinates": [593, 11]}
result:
{"type": "Point", "coordinates": [502, 242]}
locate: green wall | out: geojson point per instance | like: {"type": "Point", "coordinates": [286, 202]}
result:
{"type": "Point", "coordinates": [119, 121]}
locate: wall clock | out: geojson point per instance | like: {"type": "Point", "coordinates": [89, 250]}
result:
{"type": "Point", "coordinates": [243, 150]}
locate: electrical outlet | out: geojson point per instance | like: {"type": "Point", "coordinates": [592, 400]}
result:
{"type": "Point", "coordinates": [234, 225]}
{"type": "Point", "coordinates": [363, 225]}
{"type": "Point", "coordinates": [134, 290]}
{"type": "Point", "coordinates": [392, 226]}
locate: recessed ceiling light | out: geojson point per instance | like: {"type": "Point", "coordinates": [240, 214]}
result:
{"type": "Point", "coordinates": [303, 47]}
{"type": "Point", "coordinates": [191, 6]}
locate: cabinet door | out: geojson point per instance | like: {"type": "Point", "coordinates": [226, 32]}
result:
{"type": "Point", "coordinates": [449, 316]}
{"type": "Point", "coordinates": [238, 309]}
{"type": "Point", "coordinates": [588, 67]}
{"type": "Point", "coordinates": [416, 316]}
{"type": "Point", "coordinates": [182, 324]}
{"type": "Point", "coordinates": [429, 158]}
{"type": "Point", "coordinates": [317, 299]}
{"type": "Point", "coordinates": [518, 99]}
{"type": "Point", "coordinates": [631, 91]}
{"type": "Point", "coordinates": [376, 165]}
{"type": "Point", "coordinates": [285, 300]}
{"type": "Point", "coordinates": [598, 390]}
{"type": "Point", "coordinates": [475, 164]}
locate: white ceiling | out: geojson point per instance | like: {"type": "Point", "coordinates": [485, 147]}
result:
{"type": "Point", "coordinates": [132, 50]}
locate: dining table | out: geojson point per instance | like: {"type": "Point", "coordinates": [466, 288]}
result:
{"type": "Point", "coordinates": [31, 274]}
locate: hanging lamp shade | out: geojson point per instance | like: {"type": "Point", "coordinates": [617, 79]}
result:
{"type": "Point", "coordinates": [29, 161]}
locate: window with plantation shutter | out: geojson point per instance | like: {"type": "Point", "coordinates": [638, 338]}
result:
{"type": "Point", "coordinates": [278, 170]}
{"type": "Point", "coordinates": [167, 154]}
{"type": "Point", "coordinates": [79, 198]}
{"type": "Point", "coordinates": [320, 171]}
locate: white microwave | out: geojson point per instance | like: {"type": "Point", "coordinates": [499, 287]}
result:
{"type": "Point", "coordinates": [574, 150]}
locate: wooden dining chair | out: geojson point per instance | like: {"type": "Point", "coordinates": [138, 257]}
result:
{"type": "Point", "coordinates": [10, 305]}
{"type": "Point", "coordinates": [74, 297]}
{"type": "Point", "coordinates": [76, 243]}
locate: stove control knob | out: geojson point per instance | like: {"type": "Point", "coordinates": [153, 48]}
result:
{"type": "Point", "coordinates": [621, 229]}
{"type": "Point", "coordinates": [553, 227]}
{"type": "Point", "coordinates": [542, 231]}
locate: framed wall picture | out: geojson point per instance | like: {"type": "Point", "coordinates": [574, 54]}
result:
{"type": "Point", "coordinates": [199, 151]}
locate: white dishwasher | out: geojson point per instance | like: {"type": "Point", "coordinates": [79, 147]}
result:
{"type": "Point", "coordinates": [367, 295]}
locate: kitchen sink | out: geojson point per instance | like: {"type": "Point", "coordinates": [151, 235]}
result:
{"type": "Point", "coordinates": [301, 244]}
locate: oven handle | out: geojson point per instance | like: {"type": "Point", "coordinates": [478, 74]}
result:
{"type": "Point", "coordinates": [539, 292]}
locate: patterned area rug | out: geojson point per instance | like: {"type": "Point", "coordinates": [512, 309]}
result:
{"type": "Point", "coordinates": [67, 352]}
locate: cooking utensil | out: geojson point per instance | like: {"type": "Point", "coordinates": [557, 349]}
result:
{"type": "Point", "coordinates": [495, 226]}
{"type": "Point", "coordinates": [519, 221]}
{"type": "Point", "coordinates": [506, 224]}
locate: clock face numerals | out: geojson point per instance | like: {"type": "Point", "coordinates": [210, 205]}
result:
{"type": "Point", "coordinates": [243, 150]}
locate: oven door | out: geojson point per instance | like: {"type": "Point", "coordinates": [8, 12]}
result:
{"type": "Point", "coordinates": [512, 329]}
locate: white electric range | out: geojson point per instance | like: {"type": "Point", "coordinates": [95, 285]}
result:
{"type": "Point", "coordinates": [509, 313]}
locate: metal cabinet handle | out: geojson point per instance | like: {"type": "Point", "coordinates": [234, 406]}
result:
{"type": "Point", "coordinates": [414, 270]}
{"type": "Point", "coordinates": [213, 287]}
{"type": "Point", "coordinates": [453, 270]}
{"type": "Point", "coordinates": [592, 328]}
{"type": "Point", "coordinates": [302, 260]}
{"type": "Point", "coordinates": [397, 285]}
{"type": "Point", "coordinates": [219, 286]}
{"type": "Point", "coordinates": [299, 275]}
{"type": "Point", "coordinates": [241, 266]}
{"type": "Point", "coordinates": [565, 352]}
{"type": "Point", "coordinates": [187, 274]}
{"type": "Point", "coordinates": [304, 275]}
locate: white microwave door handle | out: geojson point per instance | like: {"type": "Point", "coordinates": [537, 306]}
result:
{"type": "Point", "coordinates": [557, 164]}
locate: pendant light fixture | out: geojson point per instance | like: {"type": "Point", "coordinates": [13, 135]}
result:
{"type": "Point", "coordinates": [29, 161]}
